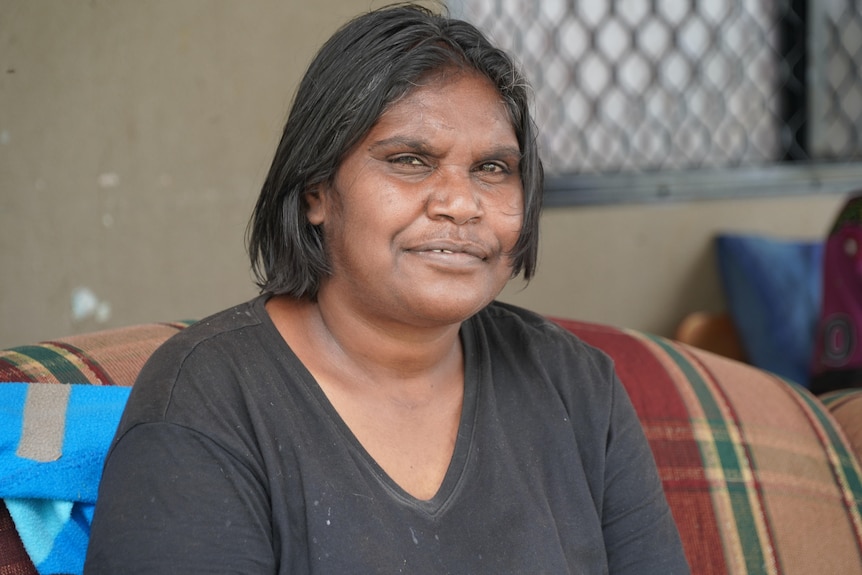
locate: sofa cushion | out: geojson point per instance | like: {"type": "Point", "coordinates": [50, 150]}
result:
{"type": "Point", "coordinates": [758, 475]}
{"type": "Point", "coordinates": [108, 357]}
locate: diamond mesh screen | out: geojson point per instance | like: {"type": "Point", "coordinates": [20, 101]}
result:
{"type": "Point", "coordinates": [643, 85]}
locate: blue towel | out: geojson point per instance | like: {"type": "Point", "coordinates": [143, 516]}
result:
{"type": "Point", "coordinates": [53, 442]}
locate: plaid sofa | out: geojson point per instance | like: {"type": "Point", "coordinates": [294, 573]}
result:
{"type": "Point", "coordinates": [761, 476]}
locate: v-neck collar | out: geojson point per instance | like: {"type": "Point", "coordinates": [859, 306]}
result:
{"type": "Point", "coordinates": [449, 487]}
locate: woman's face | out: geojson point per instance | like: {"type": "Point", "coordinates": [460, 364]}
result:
{"type": "Point", "coordinates": [423, 212]}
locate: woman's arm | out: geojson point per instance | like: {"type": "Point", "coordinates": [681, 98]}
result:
{"type": "Point", "coordinates": [640, 534]}
{"type": "Point", "coordinates": [173, 501]}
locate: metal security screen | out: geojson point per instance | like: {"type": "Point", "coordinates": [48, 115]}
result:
{"type": "Point", "coordinates": [835, 45]}
{"type": "Point", "coordinates": [673, 86]}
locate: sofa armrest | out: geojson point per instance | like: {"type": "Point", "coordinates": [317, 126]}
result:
{"type": "Point", "coordinates": [108, 357]}
{"type": "Point", "coordinates": [759, 476]}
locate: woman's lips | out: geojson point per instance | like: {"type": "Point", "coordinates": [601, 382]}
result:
{"type": "Point", "coordinates": [452, 250]}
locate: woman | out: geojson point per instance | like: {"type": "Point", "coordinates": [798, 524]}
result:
{"type": "Point", "coordinates": [374, 410]}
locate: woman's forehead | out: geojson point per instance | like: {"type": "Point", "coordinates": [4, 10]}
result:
{"type": "Point", "coordinates": [437, 90]}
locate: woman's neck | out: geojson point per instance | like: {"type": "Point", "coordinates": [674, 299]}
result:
{"type": "Point", "coordinates": [335, 343]}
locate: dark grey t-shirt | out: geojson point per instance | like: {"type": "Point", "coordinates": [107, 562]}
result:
{"type": "Point", "coordinates": [230, 459]}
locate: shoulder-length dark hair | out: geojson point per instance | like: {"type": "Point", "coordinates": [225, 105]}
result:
{"type": "Point", "coordinates": [366, 66]}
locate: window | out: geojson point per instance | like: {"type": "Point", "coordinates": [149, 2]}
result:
{"type": "Point", "coordinates": [647, 99]}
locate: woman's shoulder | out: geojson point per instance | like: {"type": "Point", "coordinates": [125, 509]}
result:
{"type": "Point", "coordinates": [511, 321]}
{"type": "Point", "coordinates": [520, 341]}
{"type": "Point", "coordinates": [200, 355]}
{"type": "Point", "coordinates": [216, 330]}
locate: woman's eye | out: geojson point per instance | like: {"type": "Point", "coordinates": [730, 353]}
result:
{"type": "Point", "coordinates": [492, 168]}
{"type": "Point", "coordinates": [407, 161]}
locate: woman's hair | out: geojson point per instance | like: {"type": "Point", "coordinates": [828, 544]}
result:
{"type": "Point", "coordinates": [364, 68]}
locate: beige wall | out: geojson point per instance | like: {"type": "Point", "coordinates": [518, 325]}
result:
{"type": "Point", "coordinates": [134, 137]}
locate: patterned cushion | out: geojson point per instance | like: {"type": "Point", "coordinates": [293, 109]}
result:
{"type": "Point", "coordinates": [109, 357]}
{"type": "Point", "coordinates": [759, 477]}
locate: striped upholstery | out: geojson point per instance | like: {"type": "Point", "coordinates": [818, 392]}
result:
{"type": "Point", "coordinates": [110, 357]}
{"type": "Point", "coordinates": [759, 475]}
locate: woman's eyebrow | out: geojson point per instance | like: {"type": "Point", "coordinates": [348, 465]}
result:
{"type": "Point", "coordinates": [400, 141]}
{"type": "Point", "coordinates": [420, 145]}
{"type": "Point", "coordinates": [504, 152]}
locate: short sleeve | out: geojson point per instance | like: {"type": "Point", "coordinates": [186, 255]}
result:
{"type": "Point", "coordinates": [173, 501]}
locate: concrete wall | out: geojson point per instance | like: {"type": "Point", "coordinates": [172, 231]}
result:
{"type": "Point", "coordinates": [134, 137]}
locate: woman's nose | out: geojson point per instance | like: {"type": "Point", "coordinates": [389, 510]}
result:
{"type": "Point", "coordinates": [455, 197]}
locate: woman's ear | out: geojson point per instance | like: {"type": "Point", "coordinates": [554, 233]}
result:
{"type": "Point", "coordinates": [315, 199]}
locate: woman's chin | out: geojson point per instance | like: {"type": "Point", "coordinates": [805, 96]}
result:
{"type": "Point", "coordinates": [449, 309]}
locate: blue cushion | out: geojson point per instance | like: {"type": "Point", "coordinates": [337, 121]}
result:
{"type": "Point", "coordinates": [773, 291]}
